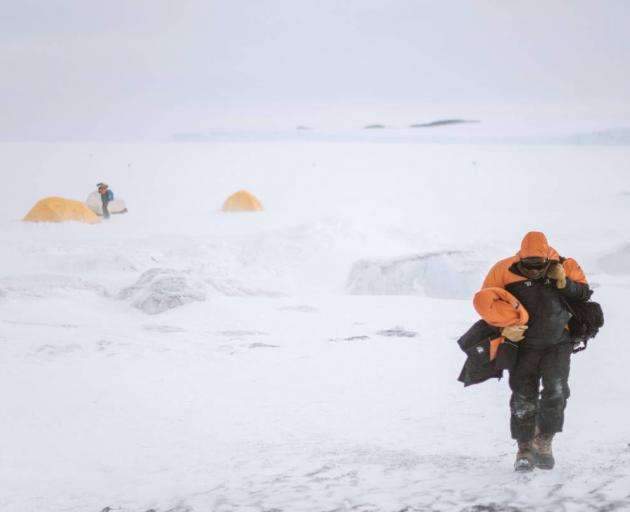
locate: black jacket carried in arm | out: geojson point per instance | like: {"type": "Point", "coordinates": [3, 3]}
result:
{"type": "Point", "coordinates": [475, 342]}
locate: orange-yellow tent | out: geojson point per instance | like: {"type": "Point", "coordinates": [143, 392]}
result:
{"type": "Point", "coordinates": [58, 209]}
{"type": "Point", "coordinates": [242, 201]}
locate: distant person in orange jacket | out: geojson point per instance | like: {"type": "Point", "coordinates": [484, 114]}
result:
{"type": "Point", "coordinates": [542, 281]}
{"type": "Point", "coordinates": [106, 197]}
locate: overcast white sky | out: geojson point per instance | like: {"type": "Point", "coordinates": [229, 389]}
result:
{"type": "Point", "coordinates": [149, 68]}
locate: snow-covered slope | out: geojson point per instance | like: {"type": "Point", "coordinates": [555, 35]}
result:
{"type": "Point", "coordinates": [302, 358]}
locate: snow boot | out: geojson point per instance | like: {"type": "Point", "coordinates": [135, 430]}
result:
{"type": "Point", "coordinates": [542, 449]}
{"type": "Point", "coordinates": [525, 457]}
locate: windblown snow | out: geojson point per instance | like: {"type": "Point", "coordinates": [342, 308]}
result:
{"type": "Point", "coordinates": [303, 358]}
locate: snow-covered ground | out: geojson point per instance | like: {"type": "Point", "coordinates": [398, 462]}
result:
{"type": "Point", "coordinates": [177, 358]}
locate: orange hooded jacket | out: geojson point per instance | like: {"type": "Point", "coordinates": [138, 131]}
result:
{"type": "Point", "coordinates": [500, 308]}
{"type": "Point", "coordinates": [534, 244]}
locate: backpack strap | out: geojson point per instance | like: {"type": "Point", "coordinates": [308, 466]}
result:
{"type": "Point", "coordinates": [566, 303]}
{"type": "Point", "coordinates": [582, 345]}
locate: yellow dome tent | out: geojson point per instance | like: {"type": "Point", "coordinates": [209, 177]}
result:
{"type": "Point", "coordinates": [58, 209]}
{"type": "Point", "coordinates": [242, 201]}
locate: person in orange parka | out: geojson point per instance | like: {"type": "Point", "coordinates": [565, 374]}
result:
{"type": "Point", "coordinates": [541, 281]}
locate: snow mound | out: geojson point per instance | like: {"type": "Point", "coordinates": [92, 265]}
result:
{"type": "Point", "coordinates": [160, 289]}
{"type": "Point", "coordinates": [444, 275]}
{"type": "Point", "coordinates": [616, 262]}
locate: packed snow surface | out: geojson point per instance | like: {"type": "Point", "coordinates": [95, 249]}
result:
{"type": "Point", "coordinates": [302, 358]}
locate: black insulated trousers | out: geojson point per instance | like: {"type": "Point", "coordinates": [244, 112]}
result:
{"type": "Point", "coordinates": [532, 407]}
{"type": "Point", "coordinates": [105, 209]}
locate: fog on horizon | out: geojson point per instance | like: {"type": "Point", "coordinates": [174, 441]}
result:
{"type": "Point", "coordinates": [149, 69]}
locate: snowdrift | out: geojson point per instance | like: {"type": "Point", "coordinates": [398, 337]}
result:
{"type": "Point", "coordinates": [160, 289]}
{"type": "Point", "coordinates": [48, 285]}
{"type": "Point", "coordinates": [444, 275]}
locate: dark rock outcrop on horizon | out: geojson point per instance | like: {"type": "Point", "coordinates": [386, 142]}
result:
{"type": "Point", "coordinates": [443, 122]}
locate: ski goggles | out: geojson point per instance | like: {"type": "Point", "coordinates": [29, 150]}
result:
{"type": "Point", "coordinates": [534, 263]}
